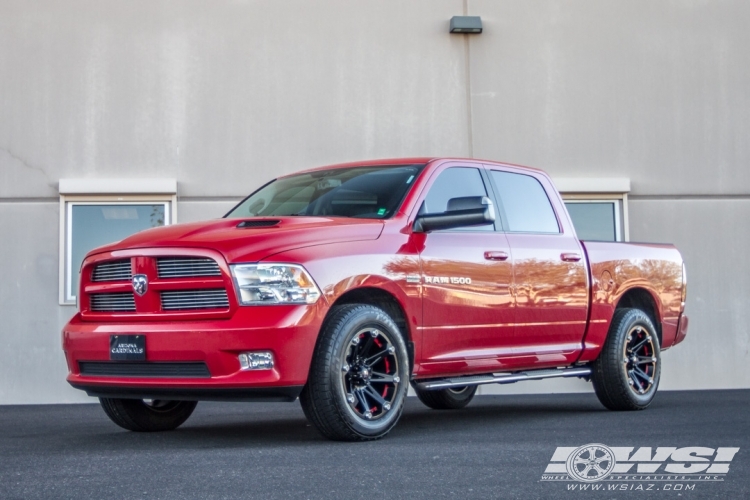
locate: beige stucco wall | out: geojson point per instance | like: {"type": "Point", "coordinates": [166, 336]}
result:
{"type": "Point", "coordinates": [225, 95]}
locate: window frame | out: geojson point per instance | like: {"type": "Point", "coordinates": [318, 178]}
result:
{"type": "Point", "coordinates": [104, 192]}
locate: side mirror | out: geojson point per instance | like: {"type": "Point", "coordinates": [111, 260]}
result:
{"type": "Point", "coordinates": [462, 212]}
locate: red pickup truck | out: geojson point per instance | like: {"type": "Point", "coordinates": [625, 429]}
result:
{"type": "Point", "coordinates": [344, 284]}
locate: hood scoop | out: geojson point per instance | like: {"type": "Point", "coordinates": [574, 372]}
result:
{"type": "Point", "coordinates": [258, 223]}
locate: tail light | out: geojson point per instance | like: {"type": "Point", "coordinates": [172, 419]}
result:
{"type": "Point", "coordinates": [684, 288]}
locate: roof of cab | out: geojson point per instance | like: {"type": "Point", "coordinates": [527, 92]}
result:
{"type": "Point", "coordinates": [409, 161]}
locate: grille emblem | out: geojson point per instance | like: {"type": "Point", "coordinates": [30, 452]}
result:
{"type": "Point", "coordinates": [140, 284]}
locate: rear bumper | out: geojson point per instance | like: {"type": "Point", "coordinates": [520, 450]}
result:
{"type": "Point", "coordinates": [289, 332]}
{"type": "Point", "coordinates": [682, 327]}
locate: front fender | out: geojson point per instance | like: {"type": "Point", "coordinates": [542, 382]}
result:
{"type": "Point", "coordinates": [386, 264]}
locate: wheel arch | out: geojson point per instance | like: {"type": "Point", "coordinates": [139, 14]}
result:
{"type": "Point", "coordinates": [643, 299]}
{"type": "Point", "coordinates": [379, 298]}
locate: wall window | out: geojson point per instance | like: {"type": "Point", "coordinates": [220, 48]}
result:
{"type": "Point", "coordinates": [91, 220]}
{"type": "Point", "coordinates": [596, 219]}
{"type": "Point", "coordinates": [598, 207]}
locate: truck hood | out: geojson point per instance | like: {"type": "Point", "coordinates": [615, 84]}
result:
{"type": "Point", "coordinates": [255, 241]}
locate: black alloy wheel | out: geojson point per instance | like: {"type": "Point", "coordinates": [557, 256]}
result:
{"type": "Point", "coordinates": [639, 359]}
{"type": "Point", "coordinates": [369, 373]}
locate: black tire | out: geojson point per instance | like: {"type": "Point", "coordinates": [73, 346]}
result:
{"type": "Point", "coordinates": [626, 374]}
{"type": "Point", "coordinates": [147, 415]}
{"type": "Point", "coordinates": [356, 388]}
{"type": "Point", "coordinates": [454, 398]}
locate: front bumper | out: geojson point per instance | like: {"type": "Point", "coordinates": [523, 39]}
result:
{"type": "Point", "coordinates": [263, 394]}
{"type": "Point", "coordinates": [289, 332]}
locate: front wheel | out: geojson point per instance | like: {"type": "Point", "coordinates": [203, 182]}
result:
{"type": "Point", "coordinates": [626, 373]}
{"type": "Point", "coordinates": [147, 415]}
{"type": "Point", "coordinates": [359, 375]}
{"type": "Point", "coordinates": [453, 398]}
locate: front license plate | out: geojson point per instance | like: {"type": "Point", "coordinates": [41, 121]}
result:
{"type": "Point", "coordinates": [127, 347]}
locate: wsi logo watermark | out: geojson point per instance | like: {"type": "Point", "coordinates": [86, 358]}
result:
{"type": "Point", "coordinates": [592, 463]}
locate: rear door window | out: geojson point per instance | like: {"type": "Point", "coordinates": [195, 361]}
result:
{"type": "Point", "coordinates": [526, 205]}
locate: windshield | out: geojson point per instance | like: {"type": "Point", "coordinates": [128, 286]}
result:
{"type": "Point", "coordinates": [361, 192]}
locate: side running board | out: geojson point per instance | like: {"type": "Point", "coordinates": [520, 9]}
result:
{"type": "Point", "coordinates": [502, 378]}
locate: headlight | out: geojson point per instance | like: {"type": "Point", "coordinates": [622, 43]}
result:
{"type": "Point", "coordinates": [273, 284]}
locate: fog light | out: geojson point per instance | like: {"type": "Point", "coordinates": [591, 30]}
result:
{"type": "Point", "coordinates": [256, 360]}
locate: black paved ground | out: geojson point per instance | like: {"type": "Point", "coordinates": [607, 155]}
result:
{"type": "Point", "coordinates": [496, 448]}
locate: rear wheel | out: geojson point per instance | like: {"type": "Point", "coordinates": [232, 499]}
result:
{"type": "Point", "coordinates": [358, 378]}
{"type": "Point", "coordinates": [626, 374]}
{"type": "Point", "coordinates": [453, 398]}
{"type": "Point", "coordinates": [147, 415]}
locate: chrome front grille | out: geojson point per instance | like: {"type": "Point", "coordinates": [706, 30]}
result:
{"type": "Point", "coordinates": [186, 267]}
{"type": "Point", "coordinates": [113, 302]}
{"type": "Point", "coordinates": [184, 300]}
{"type": "Point", "coordinates": [117, 270]}
{"type": "Point", "coordinates": [182, 283]}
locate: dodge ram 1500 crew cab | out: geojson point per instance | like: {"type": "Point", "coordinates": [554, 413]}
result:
{"type": "Point", "coordinates": [344, 284]}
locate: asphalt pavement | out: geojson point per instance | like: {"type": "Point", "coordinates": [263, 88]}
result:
{"type": "Point", "coordinates": [498, 447]}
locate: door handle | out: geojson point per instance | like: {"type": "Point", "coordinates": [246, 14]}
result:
{"type": "Point", "coordinates": [496, 255]}
{"type": "Point", "coordinates": [570, 257]}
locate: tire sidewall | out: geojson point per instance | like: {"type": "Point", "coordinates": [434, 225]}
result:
{"type": "Point", "coordinates": [465, 395]}
{"type": "Point", "coordinates": [136, 415]}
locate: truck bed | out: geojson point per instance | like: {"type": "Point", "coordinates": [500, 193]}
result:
{"type": "Point", "coordinates": [635, 270]}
